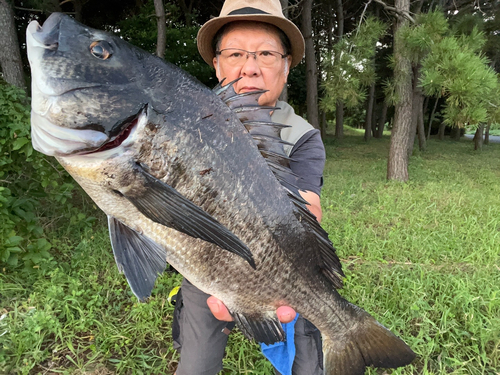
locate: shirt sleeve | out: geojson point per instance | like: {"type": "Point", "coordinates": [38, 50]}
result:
{"type": "Point", "coordinates": [308, 161]}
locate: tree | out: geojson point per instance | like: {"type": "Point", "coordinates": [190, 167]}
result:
{"type": "Point", "coordinates": [311, 71]}
{"type": "Point", "coordinates": [10, 55]}
{"type": "Point", "coordinates": [141, 29]}
{"type": "Point", "coordinates": [161, 22]}
{"type": "Point", "coordinates": [350, 69]}
{"type": "Point", "coordinates": [339, 105]}
{"type": "Point", "coordinates": [397, 164]}
{"type": "Point", "coordinates": [457, 70]}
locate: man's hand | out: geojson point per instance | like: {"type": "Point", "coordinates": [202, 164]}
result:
{"type": "Point", "coordinates": [285, 313]}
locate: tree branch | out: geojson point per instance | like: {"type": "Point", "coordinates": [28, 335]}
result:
{"type": "Point", "coordinates": [38, 10]}
{"type": "Point", "coordinates": [397, 11]}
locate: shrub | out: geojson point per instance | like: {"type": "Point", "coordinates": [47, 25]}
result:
{"type": "Point", "coordinates": [31, 186]}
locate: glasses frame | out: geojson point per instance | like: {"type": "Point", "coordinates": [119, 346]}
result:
{"type": "Point", "coordinates": [254, 53]}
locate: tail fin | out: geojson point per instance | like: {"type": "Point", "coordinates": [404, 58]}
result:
{"type": "Point", "coordinates": [366, 343]}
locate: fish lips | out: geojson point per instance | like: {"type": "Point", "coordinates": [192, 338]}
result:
{"type": "Point", "coordinates": [54, 140]}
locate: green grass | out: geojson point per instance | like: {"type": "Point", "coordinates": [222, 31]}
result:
{"type": "Point", "coordinates": [422, 257]}
{"type": "Point", "coordinates": [494, 131]}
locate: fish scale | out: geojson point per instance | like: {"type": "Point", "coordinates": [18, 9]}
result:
{"type": "Point", "coordinates": [184, 181]}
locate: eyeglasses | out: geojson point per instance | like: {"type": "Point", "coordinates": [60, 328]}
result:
{"type": "Point", "coordinates": [238, 57]}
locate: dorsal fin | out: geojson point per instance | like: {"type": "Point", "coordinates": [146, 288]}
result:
{"type": "Point", "coordinates": [266, 134]}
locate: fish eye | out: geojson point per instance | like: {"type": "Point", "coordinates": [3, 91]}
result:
{"type": "Point", "coordinates": [101, 49]}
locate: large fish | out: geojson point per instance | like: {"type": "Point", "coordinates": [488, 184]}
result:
{"type": "Point", "coordinates": [183, 181]}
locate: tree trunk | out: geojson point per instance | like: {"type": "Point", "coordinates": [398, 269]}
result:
{"type": "Point", "coordinates": [187, 10]}
{"type": "Point", "coordinates": [51, 6]}
{"type": "Point", "coordinates": [311, 73]}
{"type": "Point", "coordinates": [339, 108]}
{"type": "Point", "coordinates": [455, 133]}
{"type": "Point", "coordinates": [161, 41]}
{"type": "Point", "coordinates": [478, 137]}
{"type": "Point", "coordinates": [284, 94]}
{"type": "Point", "coordinates": [369, 113]}
{"type": "Point", "coordinates": [432, 119]}
{"type": "Point", "coordinates": [323, 124]}
{"type": "Point", "coordinates": [426, 105]}
{"type": "Point", "coordinates": [422, 145]}
{"type": "Point", "coordinates": [77, 5]}
{"type": "Point", "coordinates": [397, 164]}
{"type": "Point", "coordinates": [417, 105]}
{"type": "Point", "coordinates": [339, 120]}
{"type": "Point", "coordinates": [487, 134]}
{"type": "Point", "coordinates": [381, 120]}
{"type": "Point", "coordinates": [374, 119]}
{"type": "Point", "coordinates": [442, 127]}
{"type": "Point", "coordinates": [10, 55]}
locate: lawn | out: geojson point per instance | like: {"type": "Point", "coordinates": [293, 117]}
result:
{"type": "Point", "coordinates": [422, 257]}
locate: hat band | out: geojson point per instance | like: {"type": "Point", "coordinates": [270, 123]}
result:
{"type": "Point", "coordinates": [247, 10]}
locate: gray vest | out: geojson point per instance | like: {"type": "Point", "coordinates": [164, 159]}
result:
{"type": "Point", "coordinates": [286, 115]}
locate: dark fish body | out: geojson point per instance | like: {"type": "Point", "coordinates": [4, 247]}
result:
{"type": "Point", "coordinates": [182, 181]}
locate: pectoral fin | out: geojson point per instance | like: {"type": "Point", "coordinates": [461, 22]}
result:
{"type": "Point", "coordinates": [166, 206]}
{"type": "Point", "coordinates": [138, 257]}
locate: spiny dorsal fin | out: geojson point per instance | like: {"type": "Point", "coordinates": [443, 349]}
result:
{"type": "Point", "coordinates": [266, 134]}
{"type": "Point", "coordinates": [265, 128]}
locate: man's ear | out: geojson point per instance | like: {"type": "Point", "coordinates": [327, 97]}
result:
{"type": "Point", "coordinates": [288, 63]}
{"type": "Point", "coordinates": [215, 62]}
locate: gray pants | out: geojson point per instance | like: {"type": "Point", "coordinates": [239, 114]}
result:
{"type": "Point", "coordinates": [201, 340]}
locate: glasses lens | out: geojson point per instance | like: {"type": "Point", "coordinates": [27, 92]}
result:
{"type": "Point", "coordinates": [234, 57]}
{"type": "Point", "coordinates": [238, 57]}
{"type": "Point", "coordinates": [267, 58]}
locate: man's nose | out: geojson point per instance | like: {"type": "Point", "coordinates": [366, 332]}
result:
{"type": "Point", "coordinates": [250, 67]}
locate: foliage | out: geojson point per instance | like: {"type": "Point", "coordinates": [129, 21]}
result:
{"type": "Point", "coordinates": [30, 185]}
{"type": "Point", "coordinates": [429, 28]}
{"type": "Point", "coordinates": [452, 65]}
{"type": "Point", "coordinates": [455, 70]}
{"type": "Point", "coordinates": [422, 257]}
{"type": "Point", "coordinates": [351, 68]}
{"type": "Point", "coordinates": [141, 30]}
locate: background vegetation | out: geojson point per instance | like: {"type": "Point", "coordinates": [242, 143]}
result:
{"type": "Point", "coordinates": [423, 257]}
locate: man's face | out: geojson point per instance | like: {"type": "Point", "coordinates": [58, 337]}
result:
{"type": "Point", "coordinates": [254, 75]}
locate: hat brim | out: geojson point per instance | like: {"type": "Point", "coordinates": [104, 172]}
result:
{"type": "Point", "coordinates": [207, 33]}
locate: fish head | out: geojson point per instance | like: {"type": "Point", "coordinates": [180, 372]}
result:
{"type": "Point", "coordinates": [86, 86]}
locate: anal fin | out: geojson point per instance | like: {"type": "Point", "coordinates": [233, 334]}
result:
{"type": "Point", "coordinates": [137, 256]}
{"type": "Point", "coordinates": [261, 329]}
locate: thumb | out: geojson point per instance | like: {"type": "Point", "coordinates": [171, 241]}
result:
{"type": "Point", "coordinates": [219, 310]}
{"type": "Point", "coordinates": [285, 314]}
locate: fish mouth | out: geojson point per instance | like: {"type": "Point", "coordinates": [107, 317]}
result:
{"type": "Point", "coordinates": [127, 128]}
{"type": "Point", "coordinates": [58, 141]}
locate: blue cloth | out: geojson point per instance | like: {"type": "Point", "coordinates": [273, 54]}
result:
{"type": "Point", "coordinates": [282, 354]}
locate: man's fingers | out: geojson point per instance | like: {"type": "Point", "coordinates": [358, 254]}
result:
{"type": "Point", "coordinates": [285, 314]}
{"type": "Point", "coordinates": [219, 310]}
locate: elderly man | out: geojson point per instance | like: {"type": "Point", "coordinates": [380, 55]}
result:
{"type": "Point", "coordinates": [253, 41]}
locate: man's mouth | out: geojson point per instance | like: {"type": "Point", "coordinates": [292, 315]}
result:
{"type": "Point", "coordinates": [249, 88]}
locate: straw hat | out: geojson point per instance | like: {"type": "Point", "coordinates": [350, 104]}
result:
{"type": "Point", "coordinates": [268, 11]}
